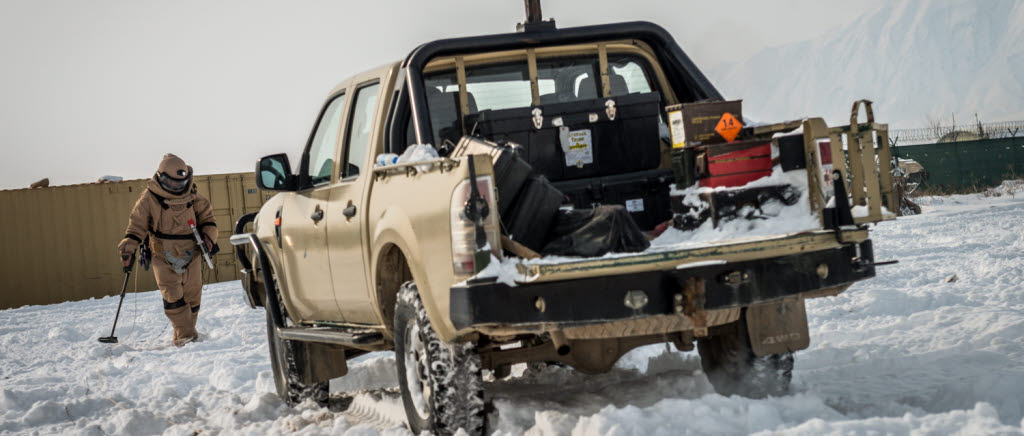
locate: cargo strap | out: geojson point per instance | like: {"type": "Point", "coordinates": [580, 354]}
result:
{"type": "Point", "coordinates": [602, 55]}
{"type": "Point", "coordinates": [531, 62]}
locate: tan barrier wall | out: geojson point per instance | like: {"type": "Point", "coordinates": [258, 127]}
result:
{"type": "Point", "coordinates": [59, 244]}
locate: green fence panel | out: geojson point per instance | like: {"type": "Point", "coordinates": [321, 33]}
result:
{"type": "Point", "coordinates": [980, 163]}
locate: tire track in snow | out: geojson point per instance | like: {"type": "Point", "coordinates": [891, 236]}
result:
{"type": "Point", "coordinates": [377, 409]}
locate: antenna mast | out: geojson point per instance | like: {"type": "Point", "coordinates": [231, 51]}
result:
{"type": "Point", "coordinates": [534, 19]}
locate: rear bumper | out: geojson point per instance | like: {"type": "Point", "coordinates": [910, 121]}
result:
{"type": "Point", "coordinates": [486, 302]}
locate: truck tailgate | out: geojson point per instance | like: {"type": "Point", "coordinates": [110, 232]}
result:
{"type": "Point", "coordinates": [671, 258]}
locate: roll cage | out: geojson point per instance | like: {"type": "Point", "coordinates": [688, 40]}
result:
{"type": "Point", "coordinates": [410, 101]}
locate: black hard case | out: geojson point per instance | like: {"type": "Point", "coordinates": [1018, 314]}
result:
{"type": "Point", "coordinates": [510, 172]}
{"type": "Point", "coordinates": [652, 187]}
{"type": "Point", "coordinates": [628, 142]}
{"type": "Point", "coordinates": [530, 217]}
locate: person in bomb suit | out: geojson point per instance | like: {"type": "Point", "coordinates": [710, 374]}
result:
{"type": "Point", "coordinates": [162, 213]}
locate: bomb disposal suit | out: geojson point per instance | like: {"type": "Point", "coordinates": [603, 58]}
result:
{"type": "Point", "coordinates": [162, 214]}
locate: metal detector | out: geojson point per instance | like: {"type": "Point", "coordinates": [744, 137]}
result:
{"type": "Point", "coordinates": [127, 272]}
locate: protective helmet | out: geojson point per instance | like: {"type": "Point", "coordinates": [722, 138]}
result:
{"type": "Point", "coordinates": [173, 175]}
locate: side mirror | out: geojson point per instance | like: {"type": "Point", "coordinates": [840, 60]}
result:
{"type": "Point", "coordinates": [274, 173]}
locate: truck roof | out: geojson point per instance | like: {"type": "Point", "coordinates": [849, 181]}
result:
{"type": "Point", "coordinates": [365, 75]}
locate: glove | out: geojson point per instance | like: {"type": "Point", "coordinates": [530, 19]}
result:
{"type": "Point", "coordinates": [127, 246]}
{"type": "Point", "coordinates": [208, 243]}
{"type": "Point", "coordinates": [126, 260]}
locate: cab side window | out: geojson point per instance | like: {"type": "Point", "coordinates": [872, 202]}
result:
{"type": "Point", "coordinates": [360, 128]}
{"type": "Point", "coordinates": [324, 145]}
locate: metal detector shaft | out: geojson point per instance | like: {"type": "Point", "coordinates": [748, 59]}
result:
{"type": "Point", "coordinates": [118, 314]}
{"type": "Point", "coordinates": [127, 273]}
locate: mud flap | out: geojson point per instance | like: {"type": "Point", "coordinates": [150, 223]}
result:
{"type": "Point", "coordinates": [319, 362]}
{"type": "Point", "coordinates": [778, 327]}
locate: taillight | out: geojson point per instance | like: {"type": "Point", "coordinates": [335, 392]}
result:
{"type": "Point", "coordinates": [826, 167]}
{"type": "Point", "coordinates": [464, 230]}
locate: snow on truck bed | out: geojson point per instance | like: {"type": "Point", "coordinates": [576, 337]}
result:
{"type": "Point", "coordinates": [910, 351]}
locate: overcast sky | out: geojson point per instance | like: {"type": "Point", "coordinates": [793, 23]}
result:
{"type": "Point", "coordinates": [90, 88]}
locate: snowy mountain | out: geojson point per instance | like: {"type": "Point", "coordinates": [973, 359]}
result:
{"type": "Point", "coordinates": [915, 59]}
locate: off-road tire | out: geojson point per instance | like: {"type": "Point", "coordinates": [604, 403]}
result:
{"type": "Point", "coordinates": [285, 366]}
{"type": "Point", "coordinates": [451, 372]}
{"type": "Point", "coordinates": [733, 369]}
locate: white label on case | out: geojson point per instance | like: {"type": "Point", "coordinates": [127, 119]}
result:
{"type": "Point", "coordinates": [635, 205]}
{"type": "Point", "coordinates": [577, 146]}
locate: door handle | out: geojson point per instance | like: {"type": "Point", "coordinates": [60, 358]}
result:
{"type": "Point", "coordinates": [350, 211]}
{"type": "Point", "coordinates": [317, 215]}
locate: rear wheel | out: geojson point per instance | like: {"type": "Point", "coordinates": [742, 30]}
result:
{"type": "Point", "coordinates": [285, 364]}
{"type": "Point", "coordinates": [733, 369]}
{"type": "Point", "coordinates": [441, 383]}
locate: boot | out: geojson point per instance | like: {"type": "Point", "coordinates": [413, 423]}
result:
{"type": "Point", "coordinates": [183, 323]}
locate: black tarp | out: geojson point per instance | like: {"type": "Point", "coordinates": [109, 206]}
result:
{"type": "Point", "coordinates": [594, 232]}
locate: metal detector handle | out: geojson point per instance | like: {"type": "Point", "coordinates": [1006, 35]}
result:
{"type": "Point", "coordinates": [202, 245]}
{"type": "Point", "coordinates": [128, 269]}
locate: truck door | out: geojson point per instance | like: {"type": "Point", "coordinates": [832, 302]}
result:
{"type": "Point", "coordinates": [303, 223]}
{"type": "Point", "coordinates": [346, 217]}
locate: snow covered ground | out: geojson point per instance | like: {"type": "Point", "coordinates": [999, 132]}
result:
{"type": "Point", "coordinates": [912, 351]}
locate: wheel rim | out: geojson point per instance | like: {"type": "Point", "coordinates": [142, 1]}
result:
{"type": "Point", "coordinates": [416, 375]}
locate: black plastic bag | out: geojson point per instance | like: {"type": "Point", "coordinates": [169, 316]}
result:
{"type": "Point", "coordinates": [594, 232]}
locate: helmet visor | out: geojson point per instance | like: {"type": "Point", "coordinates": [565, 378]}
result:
{"type": "Point", "coordinates": [173, 185]}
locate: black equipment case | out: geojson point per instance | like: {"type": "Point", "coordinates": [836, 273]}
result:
{"type": "Point", "coordinates": [623, 134]}
{"type": "Point", "coordinates": [644, 194]}
{"type": "Point", "coordinates": [533, 212]}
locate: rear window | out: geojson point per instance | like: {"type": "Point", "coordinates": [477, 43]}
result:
{"type": "Point", "coordinates": [497, 87]}
{"type": "Point", "coordinates": [507, 86]}
{"type": "Point", "coordinates": [564, 80]}
{"type": "Point", "coordinates": [633, 73]}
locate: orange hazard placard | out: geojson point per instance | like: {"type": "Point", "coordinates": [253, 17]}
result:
{"type": "Point", "coordinates": [728, 127]}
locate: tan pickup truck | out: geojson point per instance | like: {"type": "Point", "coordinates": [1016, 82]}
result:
{"type": "Point", "coordinates": [350, 257]}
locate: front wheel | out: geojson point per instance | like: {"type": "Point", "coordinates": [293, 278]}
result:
{"type": "Point", "coordinates": [733, 369]}
{"type": "Point", "coordinates": [441, 383]}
